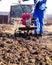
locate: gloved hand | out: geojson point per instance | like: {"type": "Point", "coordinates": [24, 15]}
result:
{"type": "Point", "coordinates": [37, 1]}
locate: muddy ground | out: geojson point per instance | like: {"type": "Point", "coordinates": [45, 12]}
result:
{"type": "Point", "coordinates": [26, 51]}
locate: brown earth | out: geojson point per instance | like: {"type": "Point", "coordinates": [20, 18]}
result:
{"type": "Point", "coordinates": [25, 51]}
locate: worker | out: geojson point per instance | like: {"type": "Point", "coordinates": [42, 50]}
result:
{"type": "Point", "coordinates": [39, 12]}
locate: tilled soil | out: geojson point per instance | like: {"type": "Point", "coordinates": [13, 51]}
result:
{"type": "Point", "coordinates": [25, 51]}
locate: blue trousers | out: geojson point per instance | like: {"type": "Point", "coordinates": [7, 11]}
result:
{"type": "Point", "coordinates": [39, 21]}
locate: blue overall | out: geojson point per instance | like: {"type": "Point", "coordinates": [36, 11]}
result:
{"type": "Point", "coordinates": [39, 12]}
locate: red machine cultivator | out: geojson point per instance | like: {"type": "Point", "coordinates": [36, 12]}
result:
{"type": "Point", "coordinates": [26, 24]}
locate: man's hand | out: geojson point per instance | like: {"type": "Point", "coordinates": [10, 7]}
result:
{"type": "Point", "coordinates": [37, 1]}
